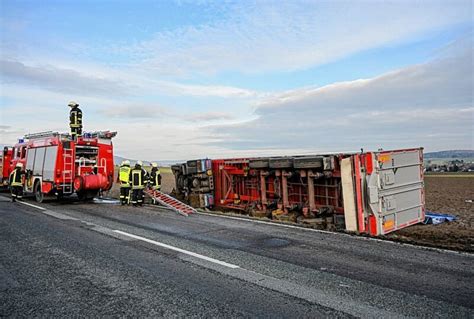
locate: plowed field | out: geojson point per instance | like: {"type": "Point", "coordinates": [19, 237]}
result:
{"type": "Point", "coordinates": [445, 194]}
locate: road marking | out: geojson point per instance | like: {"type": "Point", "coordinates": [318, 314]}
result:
{"type": "Point", "coordinates": [32, 205]}
{"type": "Point", "coordinates": [187, 252]}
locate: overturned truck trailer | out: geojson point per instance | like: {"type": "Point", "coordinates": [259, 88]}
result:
{"type": "Point", "coordinates": [372, 192]}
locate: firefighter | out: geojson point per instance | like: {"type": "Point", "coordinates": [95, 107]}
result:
{"type": "Point", "coordinates": [137, 179]}
{"type": "Point", "coordinates": [124, 176]}
{"type": "Point", "coordinates": [155, 177]}
{"type": "Point", "coordinates": [16, 182]}
{"type": "Point", "coordinates": [75, 120]}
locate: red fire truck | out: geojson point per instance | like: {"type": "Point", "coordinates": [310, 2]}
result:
{"type": "Point", "coordinates": [58, 166]}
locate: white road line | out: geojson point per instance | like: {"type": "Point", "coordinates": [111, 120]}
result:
{"type": "Point", "coordinates": [187, 252]}
{"type": "Point", "coordinates": [32, 205]}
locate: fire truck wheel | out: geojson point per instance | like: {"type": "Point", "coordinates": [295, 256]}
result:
{"type": "Point", "coordinates": [91, 195]}
{"type": "Point", "coordinates": [37, 191]}
{"type": "Point", "coordinates": [81, 195]}
{"type": "Point", "coordinates": [86, 195]}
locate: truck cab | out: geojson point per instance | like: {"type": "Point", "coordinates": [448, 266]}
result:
{"type": "Point", "coordinates": [5, 163]}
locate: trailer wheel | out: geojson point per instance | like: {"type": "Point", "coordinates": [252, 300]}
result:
{"type": "Point", "coordinates": [259, 163]}
{"type": "Point", "coordinates": [37, 191]}
{"type": "Point", "coordinates": [282, 162]}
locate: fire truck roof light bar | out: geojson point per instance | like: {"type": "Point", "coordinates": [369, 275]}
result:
{"type": "Point", "coordinates": [40, 135]}
{"type": "Point", "coordinates": [96, 134]}
{"type": "Point", "coordinates": [100, 134]}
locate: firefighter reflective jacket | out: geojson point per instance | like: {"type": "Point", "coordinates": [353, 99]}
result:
{"type": "Point", "coordinates": [124, 175]}
{"type": "Point", "coordinates": [16, 177]}
{"type": "Point", "coordinates": [75, 117]}
{"type": "Point", "coordinates": [137, 178]}
{"type": "Point", "coordinates": [155, 178]}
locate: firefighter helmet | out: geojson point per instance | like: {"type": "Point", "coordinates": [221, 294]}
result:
{"type": "Point", "coordinates": [154, 165]}
{"type": "Point", "coordinates": [139, 163]}
{"type": "Point", "coordinates": [126, 162]}
{"type": "Point", "coordinates": [19, 165]}
{"type": "Point", "coordinates": [73, 104]}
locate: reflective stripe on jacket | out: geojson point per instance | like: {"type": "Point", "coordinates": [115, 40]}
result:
{"type": "Point", "coordinates": [75, 117]}
{"type": "Point", "coordinates": [137, 178]}
{"type": "Point", "coordinates": [155, 179]}
{"type": "Point", "coordinates": [16, 178]}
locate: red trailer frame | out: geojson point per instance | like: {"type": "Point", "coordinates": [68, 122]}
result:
{"type": "Point", "coordinates": [374, 192]}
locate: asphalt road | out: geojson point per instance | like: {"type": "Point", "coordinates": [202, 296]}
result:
{"type": "Point", "coordinates": [89, 260]}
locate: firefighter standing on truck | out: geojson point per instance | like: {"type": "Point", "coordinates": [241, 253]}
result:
{"type": "Point", "coordinates": [75, 120]}
{"type": "Point", "coordinates": [155, 177]}
{"type": "Point", "coordinates": [124, 179]}
{"type": "Point", "coordinates": [137, 179]}
{"type": "Point", "coordinates": [16, 182]}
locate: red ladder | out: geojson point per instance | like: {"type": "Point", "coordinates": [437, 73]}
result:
{"type": "Point", "coordinates": [170, 202]}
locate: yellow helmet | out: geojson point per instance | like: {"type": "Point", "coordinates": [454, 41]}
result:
{"type": "Point", "coordinates": [73, 104]}
{"type": "Point", "coordinates": [154, 165]}
{"type": "Point", "coordinates": [19, 165]}
{"type": "Point", "coordinates": [126, 162]}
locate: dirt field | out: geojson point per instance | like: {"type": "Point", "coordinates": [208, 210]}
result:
{"type": "Point", "coordinates": [443, 193]}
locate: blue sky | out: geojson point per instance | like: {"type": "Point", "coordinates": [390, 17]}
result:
{"type": "Point", "coordinates": [185, 79]}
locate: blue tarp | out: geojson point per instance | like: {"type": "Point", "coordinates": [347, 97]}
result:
{"type": "Point", "coordinates": [437, 218]}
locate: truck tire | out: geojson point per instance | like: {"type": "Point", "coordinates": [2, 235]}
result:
{"type": "Point", "coordinates": [315, 162]}
{"type": "Point", "coordinates": [90, 195]}
{"type": "Point", "coordinates": [37, 192]}
{"type": "Point", "coordinates": [81, 195]}
{"type": "Point", "coordinates": [281, 162]}
{"type": "Point", "coordinates": [192, 167]}
{"type": "Point", "coordinates": [259, 163]}
{"type": "Point", "coordinates": [87, 196]}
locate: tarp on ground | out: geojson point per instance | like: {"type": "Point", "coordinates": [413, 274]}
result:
{"type": "Point", "coordinates": [438, 218]}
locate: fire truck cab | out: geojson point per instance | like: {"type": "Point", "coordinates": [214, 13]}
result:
{"type": "Point", "coordinates": [5, 159]}
{"type": "Point", "coordinates": [58, 166]}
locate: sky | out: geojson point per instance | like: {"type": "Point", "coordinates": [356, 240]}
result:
{"type": "Point", "coordinates": [191, 79]}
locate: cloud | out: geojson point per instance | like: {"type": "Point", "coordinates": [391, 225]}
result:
{"type": "Point", "coordinates": [396, 109]}
{"type": "Point", "coordinates": [134, 111]}
{"type": "Point", "coordinates": [66, 80]}
{"type": "Point", "coordinates": [107, 83]}
{"type": "Point", "coordinates": [268, 36]}
{"type": "Point", "coordinates": [208, 116]}
{"type": "Point", "coordinates": [174, 88]}
{"type": "Point", "coordinates": [130, 111]}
